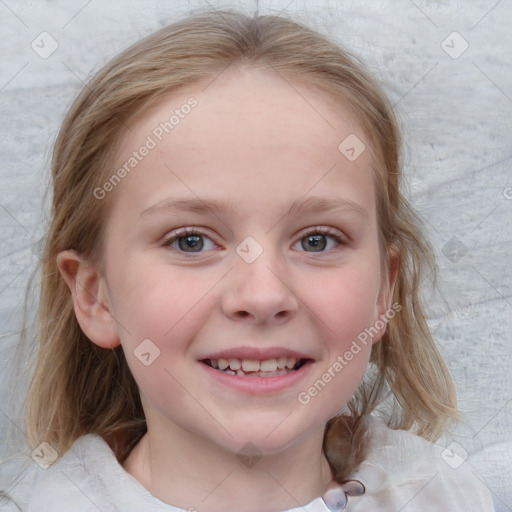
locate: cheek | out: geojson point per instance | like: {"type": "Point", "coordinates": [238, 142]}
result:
{"type": "Point", "coordinates": [345, 304]}
{"type": "Point", "coordinates": [156, 304]}
{"type": "Point", "coordinates": [345, 309]}
{"type": "Point", "coordinates": [154, 301]}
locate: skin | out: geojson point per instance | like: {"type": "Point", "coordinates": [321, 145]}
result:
{"type": "Point", "coordinates": [258, 142]}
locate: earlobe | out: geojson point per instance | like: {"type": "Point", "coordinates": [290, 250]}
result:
{"type": "Point", "coordinates": [91, 302]}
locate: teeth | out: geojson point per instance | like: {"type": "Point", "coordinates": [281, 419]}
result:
{"type": "Point", "coordinates": [269, 365]}
{"type": "Point", "coordinates": [281, 362]}
{"type": "Point", "coordinates": [236, 366]}
{"type": "Point", "coordinates": [249, 365]}
{"type": "Point", "coordinates": [291, 362]}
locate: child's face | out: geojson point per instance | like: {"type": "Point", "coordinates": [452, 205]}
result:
{"type": "Point", "coordinates": [257, 143]}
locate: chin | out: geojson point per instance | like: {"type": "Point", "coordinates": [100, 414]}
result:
{"type": "Point", "coordinates": [270, 437]}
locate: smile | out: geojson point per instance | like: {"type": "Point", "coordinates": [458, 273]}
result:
{"type": "Point", "coordinates": [253, 368]}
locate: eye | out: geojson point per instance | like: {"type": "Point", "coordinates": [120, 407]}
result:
{"type": "Point", "coordinates": [188, 240]}
{"type": "Point", "coordinates": [316, 238]}
{"type": "Point", "coordinates": [191, 240]}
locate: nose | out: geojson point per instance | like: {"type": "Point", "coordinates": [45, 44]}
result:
{"type": "Point", "coordinates": [259, 292]}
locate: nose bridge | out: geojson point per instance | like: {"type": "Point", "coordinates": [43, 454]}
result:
{"type": "Point", "coordinates": [258, 287]}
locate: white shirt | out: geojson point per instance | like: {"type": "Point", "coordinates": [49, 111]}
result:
{"type": "Point", "coordinates": [402, 472]}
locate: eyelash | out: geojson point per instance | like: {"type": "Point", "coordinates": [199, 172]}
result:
{"type": "Point", "coordinates": [190, 231]}
{"type": "Point", "coordinates": [319, 230]}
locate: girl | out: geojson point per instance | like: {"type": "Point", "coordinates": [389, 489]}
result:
{"type": "Point", "coordinates": [231, 284]}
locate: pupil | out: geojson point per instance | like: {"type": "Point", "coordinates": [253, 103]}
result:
{"type": "Point", "coordinates": [317, 242]}
{"type": "Point", "coordinates": [192, 242]}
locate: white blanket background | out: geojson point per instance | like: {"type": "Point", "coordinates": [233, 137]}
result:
{"type": "Point", "coordinates": [455, 104]}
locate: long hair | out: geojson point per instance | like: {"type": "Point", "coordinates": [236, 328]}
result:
{"type": "Point", "coordinates": [78, 388]}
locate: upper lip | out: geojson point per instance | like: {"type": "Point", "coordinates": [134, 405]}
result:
{"type": "Point", "coordinates": [255, 353]}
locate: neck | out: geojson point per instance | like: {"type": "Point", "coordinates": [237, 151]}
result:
{"type": "Point", "coordinates": [193, 474]}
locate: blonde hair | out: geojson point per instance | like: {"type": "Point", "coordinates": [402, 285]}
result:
{"type": "Point", "coordinates": [79, 388]}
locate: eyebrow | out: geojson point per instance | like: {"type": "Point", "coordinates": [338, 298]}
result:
{"type": "Point", "coordinates": [312, 204]}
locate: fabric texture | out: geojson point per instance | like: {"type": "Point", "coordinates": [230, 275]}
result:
{"type": "Point", "coordinates": [402, 472]}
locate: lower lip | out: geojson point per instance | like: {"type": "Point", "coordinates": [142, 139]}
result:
{"type": "Point", "coordinates": [259, 385]}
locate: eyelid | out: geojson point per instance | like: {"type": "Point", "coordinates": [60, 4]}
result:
{"type": "Point", "coordinates": [339, 236]}
{"type": "Point", "coordinates": [186, 230]}
{"type": "Point", "coordinates": [175, 234]}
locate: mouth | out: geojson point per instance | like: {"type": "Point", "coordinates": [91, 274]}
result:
{"type": "Point", "coordinates": [274, 367]}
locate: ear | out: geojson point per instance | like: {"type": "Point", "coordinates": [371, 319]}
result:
{"type": "Point", "coordinates": [91, 302]}
{"type": "Point", "coordinates": [384, 310]}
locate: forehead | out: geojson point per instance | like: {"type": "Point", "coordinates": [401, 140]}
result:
{"type": "Point", "coordinates": [245, 132]}
{"type": "Point", "coordinates": [254, 101]}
